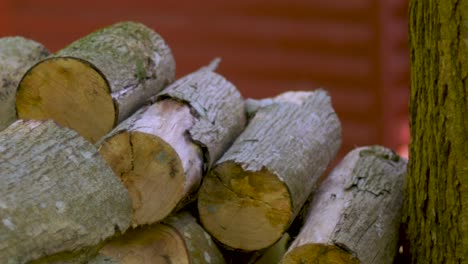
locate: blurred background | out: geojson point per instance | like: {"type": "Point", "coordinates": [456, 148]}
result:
{"type": "Point", "coordinates": [355, 49]}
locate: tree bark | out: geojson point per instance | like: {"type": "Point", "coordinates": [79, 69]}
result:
{"type": "Point", "coordinates": [98, 81]}
{"type": "Point", "coordinates": [179, 239]}
{"type": "Point", "coordinates": [355, 214]}
{"type": "Point", "coordinates": [159, 153]}
{"type": "Point", "coordinates": [58, 197]}
{"type": "Point", "coordinates": [436, 204]}
{"type": "Point", "coordinates": [256, 189]}
{"type": "Point", "coordinates": [17, 54]}
{"type": "Point", "coordinates": [218, 106]}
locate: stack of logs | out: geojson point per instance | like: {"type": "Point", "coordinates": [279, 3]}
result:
{"type": "Point", "coordinates": [113, 161]}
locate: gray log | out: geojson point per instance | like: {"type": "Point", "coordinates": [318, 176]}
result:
{"type": "Point", "coordinates": [179, 239]}
{"type": "Point", "coordinates": [58, 197]}
{"type": "Point", "coordinates": [190, 124]}
{"type": "Point", "coordinates": [355, 214]}
{"type": "Point", "coordinates": [256, 189]}
{"type": "Point", "coordinates": [17, 54]}
{"type": "Point", "coordinates": [98, 81]}
{"type": "Point", "coordinates": [217, 105]}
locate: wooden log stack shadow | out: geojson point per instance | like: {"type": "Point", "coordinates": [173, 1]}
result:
{"type": "Point", "coordinates": [113, 161]}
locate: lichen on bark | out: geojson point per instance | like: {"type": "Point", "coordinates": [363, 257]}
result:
{"type": "Point", "coordinates": [436, 204]}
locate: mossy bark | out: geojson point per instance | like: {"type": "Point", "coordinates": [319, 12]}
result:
{"type": "Point", "coordinates": [17, 54]}
{"type": "Point", "coordinates": [58, 198]}
{"type": "Point", "coordinates": [436, 207]}
{"type": "Point", "coordinates": [97, 81]}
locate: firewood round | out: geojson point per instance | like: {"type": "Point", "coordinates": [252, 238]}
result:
{"type": "Point", "coordinates": [158, 244]}
{"type": "Point", "coordinates": [71, 91]}
{"type": "Point", "coordinates": [244, 204]}
{"type": "Point", "coordinates": [316, 253]}
{"type": "Point", "coordinates": [98, 81]}
{"type": "Point", "coordinates": [150, 169]}
{"type": "Point", "coordinates": [160, 152]}
{"type": "Point", "coordinates": [178, 239]}
{"type": "Point", "coordinates": [255, 190]}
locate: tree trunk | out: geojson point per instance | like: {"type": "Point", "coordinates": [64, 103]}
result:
{"type": "Point", "coordinates": [58, 197]}
{"type": "Point", "coordinates": [256, 189]}
{"type": "Point", "coordinates": [436, 204]}
{"type": "Point", "coordinates": [17, 54]}
{"type": "Point", "coordinates": [98, 81]}
{"type": "Point", "coordinates": [355, 214]}
{"type": "Point", "coordinates": [179, 239]}
{"type": "Point", "coordinates": [159, 152]}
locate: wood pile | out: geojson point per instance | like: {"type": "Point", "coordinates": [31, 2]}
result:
{"type": "Point", "coordinates": [111, 160]}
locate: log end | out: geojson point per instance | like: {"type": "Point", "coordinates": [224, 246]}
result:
{"type": "Point", "coordinates": [159, 244]}
{"type": "Point", "coordinates": [69, 91]}
{"type": "Point", "coordinates": [150, 169]}
{"type": "Point", "coordinates": [318, 253]}
{"type": "Point", "coordinates": [242, 209]}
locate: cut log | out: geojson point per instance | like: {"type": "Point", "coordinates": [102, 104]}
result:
{"type": "Point", "coordinates": [17, 54]}
{"type": "Point", "coordinates": [354, 217]}
{"type": "Point", "coordinates": [58, 197]}
{"type": "Point", "coordinates": [256, 189]}
{"type": "Point", "coordinates": [179, 239]}
{"type": "Point", "coordinates": [98, 81]}
{"type": "Point", "coordinates": [158, 153]}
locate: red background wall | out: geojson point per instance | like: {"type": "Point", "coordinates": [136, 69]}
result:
{"type": "Point", "coordinates": [356, 49]}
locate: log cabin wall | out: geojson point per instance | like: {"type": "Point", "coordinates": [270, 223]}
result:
{"type": "Point", "coordinates": [357, 49]}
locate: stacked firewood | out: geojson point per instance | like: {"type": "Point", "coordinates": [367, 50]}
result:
{"type": "Point", "coordinates": [111, 160]}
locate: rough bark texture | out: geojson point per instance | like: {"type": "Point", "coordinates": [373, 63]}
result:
{"type": "Point", "coordinates": [99, 80]}
{"type": "Point", "coordinates": [356, 211]}
{"type": "Point", "coordinates": [296, 97]}
{"type": "Point", "coordinates": [197, 116]}
{"type": "Point", "coordinates": [217, 105]}
{"type": "Point", "coordinates": [153, 156]}
{"type": "Point", "coordinates": [58, 197]}
{"type": "Point", "coordinates": [179, 239]}
{"type": "Point", "coordinates": [437, 185]}
{"type": "Point", "coordinates": [17, 54]}
{"type": "Point", "coordinates": [255, 190]}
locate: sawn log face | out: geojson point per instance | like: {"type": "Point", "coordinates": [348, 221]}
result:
{"type": "Point", "coordinates": [258, 186]}
{"type": "Point", "coordinates": [98, 81]}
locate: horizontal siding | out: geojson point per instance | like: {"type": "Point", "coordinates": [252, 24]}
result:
{"type": "Point", "coordinates": [267, 47]}
{"type": "Point", "coordinates": [395, 61]}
